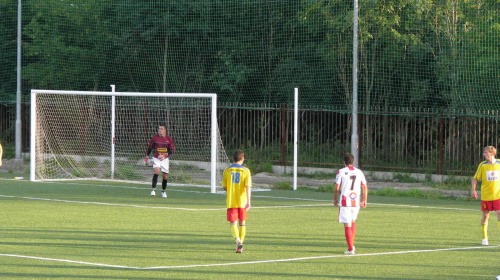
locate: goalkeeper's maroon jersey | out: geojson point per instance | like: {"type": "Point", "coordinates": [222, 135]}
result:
{"type": "Point", "coordinates": [162, 145]}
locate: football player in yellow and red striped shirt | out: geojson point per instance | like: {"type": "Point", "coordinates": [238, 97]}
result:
{"type": "Point", "coordinates": [488, 172]}
{"type": "Point", "coordinates": [351, 183]}
{"type": "Point", "coordinates": [237, 182]}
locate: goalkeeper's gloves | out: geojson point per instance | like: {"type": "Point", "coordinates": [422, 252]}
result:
{"type": "Point", "coordinates": [146, 160]}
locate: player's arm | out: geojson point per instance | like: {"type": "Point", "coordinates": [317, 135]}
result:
{"type": "Point", "coordinates": [248, 186]}
{"type": "Point", "coordinates": [336, 195]}
{"type": "Point", "coordinates": [249, 197]}
{"type": "Point", "coordinates": [224, 179]}
{"type": "Point", "coordinates": [365, 195]}
{"type": "Point", "coordinates": [473, 192]}
{"type": "Point", "coordinates": [148, 151]}
{"type": "Point", "coordinates": [171, 148]}
{"type": "Point", "coordinates": [224, 182]}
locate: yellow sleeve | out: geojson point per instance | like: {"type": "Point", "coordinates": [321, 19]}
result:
{"type": "Point", "coordinates": [478, 174]}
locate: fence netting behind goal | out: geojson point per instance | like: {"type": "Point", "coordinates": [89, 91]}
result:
{"type": "Point", "coordinates": [413, 55]}
{"type": "Point", "coordinates": [74, 132]}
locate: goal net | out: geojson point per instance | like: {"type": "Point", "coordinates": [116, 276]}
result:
{"type": "Point", "coordinates": [79, 135]}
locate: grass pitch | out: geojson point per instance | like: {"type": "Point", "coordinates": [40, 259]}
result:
{"type": "Point", "coordinates": [100, 230]}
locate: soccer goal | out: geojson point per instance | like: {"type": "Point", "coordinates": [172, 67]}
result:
{"type": "Point", "coordinates": [78, 135]}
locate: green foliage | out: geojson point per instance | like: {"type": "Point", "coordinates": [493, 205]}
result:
{"type": "Point", "coordinates": [453, 183]}
{"type": "Point", "coordinates": [126, 172]}
{"type": "Point", "coordinates": [48, 169]}
{"type": "Point", "coordinates": [318, 175]}
{"type": "Point", "coordinates": [405, 178]}
{"type": "Point", "coordinates": [327, 188]}
{"type": "Point", "coordinates": [9, 151]}
{"type": "Point", "coordinates": [413, 193]}
{"type": "Point", "coordinates": [66, 162]}
{"type": "Point", "coordinates": [90, 162]}
{"type": "Point", "coordinates": [430, 56]}
{"type": "Point", "coordinates": [327, 155]}
{"type": "Point", "coordinates": [80, 173]}
{"type": "Point", "coordinates": [181, 177]}
{"type": "Point", "coordinates": [283, 185]}
{"type": "Point", "coordinates": [418, 54]}
{"type": "Point", "coordinates": [258, 166]}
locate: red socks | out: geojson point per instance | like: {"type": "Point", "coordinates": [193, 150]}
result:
{"type": "Point", "coordinates": [349, 237]}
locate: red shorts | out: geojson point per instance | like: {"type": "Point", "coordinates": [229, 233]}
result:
{"type": "Point", "coordinates": [493, 205]}
{"type": "Point", "coordinates": [234, 214]}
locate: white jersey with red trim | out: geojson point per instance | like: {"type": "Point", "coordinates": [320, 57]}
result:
{"type": "Point", "coordinates": [350, 180]}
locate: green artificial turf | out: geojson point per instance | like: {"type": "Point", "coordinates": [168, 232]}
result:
{"type": "Point", "coordinates": [103, 230]}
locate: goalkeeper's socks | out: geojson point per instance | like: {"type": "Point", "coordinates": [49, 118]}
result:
{"type": "Point", "coordinates": [155, 180]}
{"type": "Point", "coordinates": [484, 230]}
{"type": "Point", "coordinates": [164, 185]}
{"type": "Point", "coordinates": [243, 232]}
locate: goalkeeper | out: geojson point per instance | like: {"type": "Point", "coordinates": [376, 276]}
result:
{"type": "Point", "coordinates": [163, 147]}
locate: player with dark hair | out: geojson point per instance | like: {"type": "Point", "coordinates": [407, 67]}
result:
{"type": "Point", "coordinates": [237, 182]}
{"type": "Point", "coordinates": [163, 147]}
{"type": "Point", "coordinates": [353, 194]}
{"type": "Point", "coordinates": [488, 172]}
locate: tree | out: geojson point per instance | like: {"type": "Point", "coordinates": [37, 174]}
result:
{"type": "Point", "coordinates": [8, 47]}
{"type": "Point", "coordinates": [67, 46]}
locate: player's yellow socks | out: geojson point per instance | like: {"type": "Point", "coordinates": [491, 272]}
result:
{"type": "Point", "coordinates": [243, 232]}
{"type": "Point", "coordinates": [484, 230]}
{"type": "Point", "coordinates": [235, 232]}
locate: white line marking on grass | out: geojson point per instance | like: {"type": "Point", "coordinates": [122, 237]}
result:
{"type": "Point", "coordinates": [290, 206]}
{"type": "Point", "coordinates": [425, 207]}
{"type": "Point", "coordinates": [249, 262]}
{"type": "Point", "coordinates": [221, 209]}
{"type": "Point", "coordinates": [322, 257]}
{"type": "Point", "coordinates": [289, 198]}
{"type": "Point", "coordinates": [218, 209]}
{"type": "Point", "coordinates": [154, 207]}
{"type": "Point", "coordinates": [109, 204]}
{"type": "Point", "coordinates": [69, 261]}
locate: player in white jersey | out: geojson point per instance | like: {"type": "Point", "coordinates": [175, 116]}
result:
{"type": "Point", "coordinates": [351, 183]}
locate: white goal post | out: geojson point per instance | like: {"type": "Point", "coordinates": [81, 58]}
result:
{"type": "Point", "coordinates": [93, 135]}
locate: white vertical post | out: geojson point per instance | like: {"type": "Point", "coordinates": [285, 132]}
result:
{"type": "Point", "coordinates": [113, 105]}
{"type": "Point", "coordinates": [33, 137]}
{"type": "Point", "coordinates": [213, 170]}
{"type": "Point", "coordinates": [295, 137]}
{"type": "Point", "coordinates": [354, 136]}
